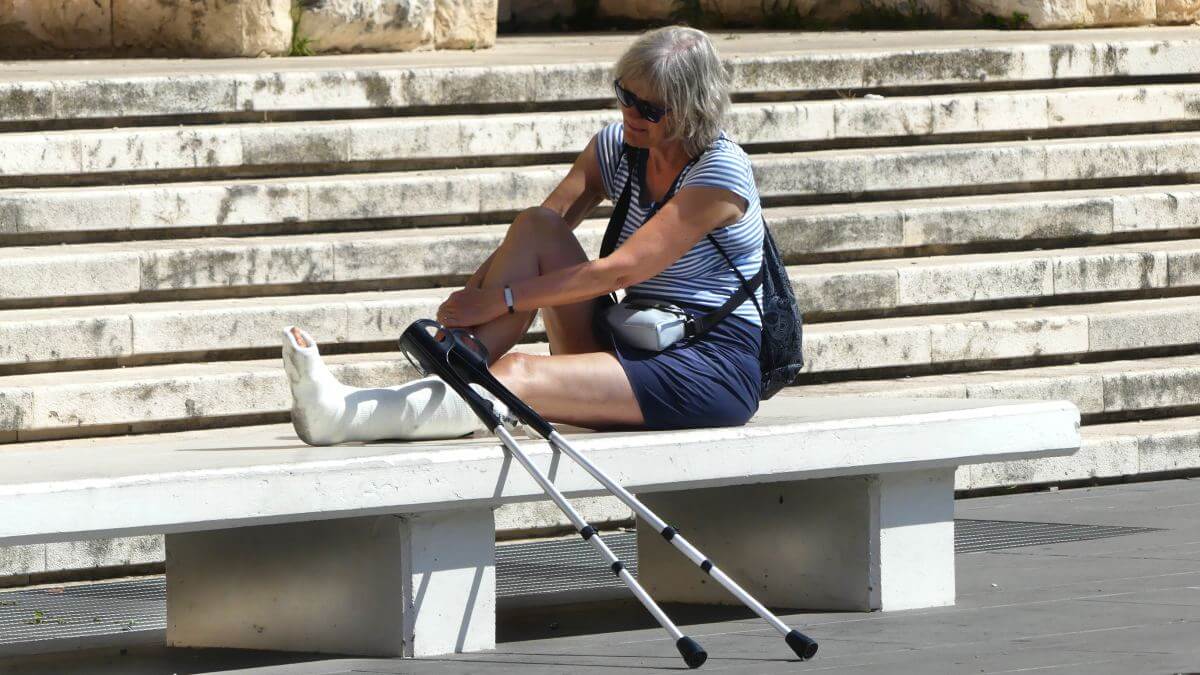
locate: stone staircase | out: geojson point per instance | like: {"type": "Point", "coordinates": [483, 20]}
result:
{"type": "Point", "coordinates": [1006, 216]}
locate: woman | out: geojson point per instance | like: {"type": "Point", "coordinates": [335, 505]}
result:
{"type": "Point", "coordinates": [673, 95]}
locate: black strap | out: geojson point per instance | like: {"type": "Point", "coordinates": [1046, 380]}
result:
{"type": "Point", "coordinates": [621, 210]}
{"type": "Point", "coordinates": [702, 324]}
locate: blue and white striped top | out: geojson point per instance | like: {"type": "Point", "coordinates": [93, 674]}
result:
{"type": "Point", "coordinates": [701, 276]}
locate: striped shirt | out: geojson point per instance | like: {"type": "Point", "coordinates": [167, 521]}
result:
{"type": "Point", "coordinates": [700, 276]}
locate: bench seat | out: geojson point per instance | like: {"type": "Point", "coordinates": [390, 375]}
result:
{"type": "Point", "coordinates": [388, 548]}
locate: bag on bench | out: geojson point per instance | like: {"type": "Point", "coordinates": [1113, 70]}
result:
{"type": "Point", "coordinates": [782, 354]}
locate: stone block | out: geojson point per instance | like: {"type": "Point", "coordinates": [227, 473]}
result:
{"type": "Point", "coordinates": [212, 28]}
{"type": "Point", "coordinates": [414, 257]}
{"type": "Point", "coordinates": [971, 113]}
{"type": "Point", "coordinates": [1041, 13]}
{"type": "Point", "coordinates": [27, 273]}
{"type": "Point", "coordinates": [835, 228]}
{"type": "Point", "coordinates": [1151, 389]}
{"type": "Point", "coordinates": [1085, 391]}
{"type": "Point", "coordinates": [465, 24]}
{"type": "Point", "coordinates": [235, 264]}
{"type": "Point", "coordinates": [1173, 210]}
{"type": "Point", "coordinates": [24, 559]}
{"type": "Point", "coordinates": [183, 327]}
{"type": "Point", "coordinates": [1169, 449]}
{"type": "Point", "coordinates": [1005, 219]}
{"type": "Point", "coordinates": [37, 154]}
{"type": "Point", "coordinates": [368, 25]}
{"type": "Point", "coordinates": [34, 336]}
{"type": "Point", "coordinates": [314, 143]}
{"type": "Point", "coordinates": [926, 282]}
{"type": "Point", "coordinates": [862, 345]}
{"type": "Point", "coordinates": [1090, 159]}
{"type": "Point", "coordinates": [1177, 11]}
{"type": "Point", "coordinates": [865, 118]}
{"type": "Point", "coordinates": [64, 210]}
{"type": "Point", "coordinates": [205, 205]}
{"type": "Point", "coordinates": [158, 148]}
{"type": "Point", "coordinates": [826, 290]}
{"type": "Point", "coordinates": [1134, 325]}
{"type": "Point", "coordinates": [1121, 12]}
{"type": "Point", "coordinates": [1115, 271]}
{"type": "Point", "coordinates": [77, 555]}
{"type": "Point", "coordinates": [1012, 336]}
{"type": "Point", "coordinates": [16, 410]}
{"type": "Point", "coordinates": [67, 25]}
{"type": "Point", "coordinates": [1096, 458]}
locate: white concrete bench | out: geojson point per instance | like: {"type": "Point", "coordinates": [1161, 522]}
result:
{"type": "Point", "coordinates": [388, 549]}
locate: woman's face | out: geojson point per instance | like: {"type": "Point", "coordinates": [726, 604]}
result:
{"type": "Point", "coordinates": [640, 132]}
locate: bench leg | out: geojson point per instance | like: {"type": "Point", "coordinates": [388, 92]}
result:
{"type": "Point", "coordinates": [859, 543]}
{"type": "Point", "coordinates": [371, 586]}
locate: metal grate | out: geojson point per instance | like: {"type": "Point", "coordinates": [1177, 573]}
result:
{"type": "Point", "coordinates": [137, 605]}
{"type": "Point", "coordinates": [974, 536]}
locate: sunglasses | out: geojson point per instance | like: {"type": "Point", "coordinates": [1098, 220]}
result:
{"type": "Point", "coordinates": [649, 112]}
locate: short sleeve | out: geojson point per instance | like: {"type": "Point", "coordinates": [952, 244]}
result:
{"type": "Point", "coordinates": [724, 166]}
{"type": "Point", "coordinates": [609, 142]}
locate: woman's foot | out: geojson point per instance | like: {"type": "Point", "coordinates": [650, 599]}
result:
{"type": "Point", "coordinates": [318, 399]}
{"type": "Point", "coordinates": [325, 412]}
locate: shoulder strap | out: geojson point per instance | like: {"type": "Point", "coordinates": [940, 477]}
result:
{"type": "Point", "coordinates": [617, 220]}
{"type": "Point", "coordinates": [704, 323]}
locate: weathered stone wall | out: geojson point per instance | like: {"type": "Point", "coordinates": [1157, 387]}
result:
{"type": "Point", "coordinates": [228, 28]}
{"type": "Point", "coordinates": [954, 13]}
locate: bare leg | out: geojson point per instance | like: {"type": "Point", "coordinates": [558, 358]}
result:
{"type": "Point", "coordinates": [537, 243]}
{"type": "Point", "coordinates": [586, 390]}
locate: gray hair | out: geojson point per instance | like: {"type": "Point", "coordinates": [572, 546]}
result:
{"type": "Point", "coordinates": [681, 64]}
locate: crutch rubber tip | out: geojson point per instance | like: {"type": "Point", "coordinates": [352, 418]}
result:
{"type": "Point", "coordinates": [693, 654]}
{"type": "Point", "coordinates": [804, 646]}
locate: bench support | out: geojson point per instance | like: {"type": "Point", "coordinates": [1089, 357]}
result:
{"type": "Point", "coordinates": [372, 586]}
{"type": "Point", "coordinates": [861, 543]}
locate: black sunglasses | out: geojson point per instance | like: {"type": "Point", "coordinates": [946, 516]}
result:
{"type": "Point", "coordinates": [649, 112]}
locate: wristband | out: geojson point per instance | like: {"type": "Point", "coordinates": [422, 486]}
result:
{"type": "Point", "coordinates": [508, 299]}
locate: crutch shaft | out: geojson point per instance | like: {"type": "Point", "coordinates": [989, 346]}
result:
{"type": "Point", "coordinates": [804, 646]}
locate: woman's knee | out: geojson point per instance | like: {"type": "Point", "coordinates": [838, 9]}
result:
{"type": "Point", "coordinates": [538, 222]}
{"type": "Point", "coordinates": [512, 370]}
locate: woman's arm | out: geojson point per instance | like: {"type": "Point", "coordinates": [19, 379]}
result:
{"type": "Point", "coordinates": [691, 214]}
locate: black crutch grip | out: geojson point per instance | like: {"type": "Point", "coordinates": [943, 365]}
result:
{"type": "Point", "coordinates": [804, 646]}
{"type": "Point", "coordinates": [691, 651]}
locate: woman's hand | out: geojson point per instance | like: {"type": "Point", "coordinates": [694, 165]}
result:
{"type": "Point", "coordinates": [471, 307]}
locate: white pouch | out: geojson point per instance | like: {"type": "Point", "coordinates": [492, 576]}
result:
{"type": "Point", "coordinates": [648, 324]}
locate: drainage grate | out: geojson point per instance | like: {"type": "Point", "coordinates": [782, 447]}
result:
{"type": "Point", "coordinates": [561, 565]}
{"type": "Point", "coordinates": [131, 606]}
{"type": "Point", "coordinates": [974, 536]}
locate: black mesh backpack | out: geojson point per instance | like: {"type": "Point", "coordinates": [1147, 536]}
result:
{"type": "Point", "coordinates": [782, 353]}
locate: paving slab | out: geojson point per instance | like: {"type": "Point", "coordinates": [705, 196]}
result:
{"type": "Point", "coordinates": [1075, 607]}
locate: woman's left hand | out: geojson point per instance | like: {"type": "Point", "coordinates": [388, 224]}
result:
{"type": "Point", "coordinates": [471, 307]}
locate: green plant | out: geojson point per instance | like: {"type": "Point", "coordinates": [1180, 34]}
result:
{"type": "Point", "coordinates": [301, 46]}
{"type": "Point", "coordinates": [1018, 21]}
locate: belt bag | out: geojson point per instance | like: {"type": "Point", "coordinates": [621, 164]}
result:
{"type": "Point", "coordinates": [653, 325]}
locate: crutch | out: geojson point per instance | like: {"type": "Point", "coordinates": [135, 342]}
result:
{"type": "Point", "coordinates": [435, 350]}
{"type": "Point", "coordinates": [472, 367]}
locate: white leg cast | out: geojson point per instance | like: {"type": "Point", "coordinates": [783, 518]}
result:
{"type": "Point", "coordinates": [372, 586]}
{"type": "Point", "coordinates": [326, 412]}
{"type": "Point", "coordinates": [861, 543]}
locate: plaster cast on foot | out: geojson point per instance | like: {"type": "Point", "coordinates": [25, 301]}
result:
{"type": "Point", "coordinates": [325, 411]}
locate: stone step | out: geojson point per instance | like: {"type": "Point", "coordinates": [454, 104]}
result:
{"type": "Point", "coordinates": [226, 266]}
{"type": "Point", "coordinates": [1107, 451]}
{"type": "Point", "coordinates": [247, 147]}
{"type": "Point", "coordinates": [1097, 389]}
{"type": "Point", "coordinates": [138, 331]}
{"type": "Point", "coordinates": [87, 402]}
{"type": "Point", "coordinates": [563, 69]}
{"type": "Point", "coordinates": [455, 194]}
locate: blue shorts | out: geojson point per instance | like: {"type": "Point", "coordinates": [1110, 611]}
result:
{"type": "Point", "coordinates": [714, 381]}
